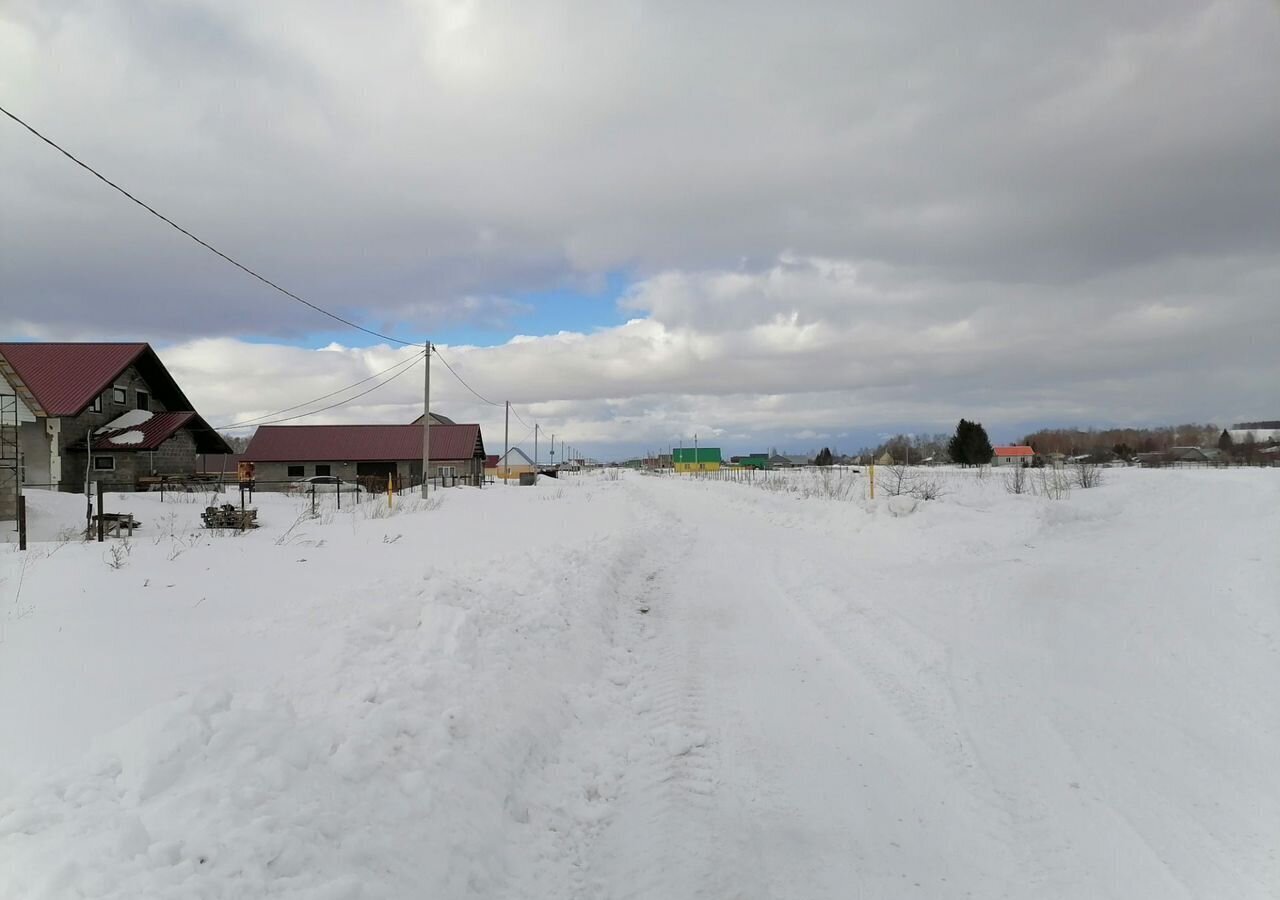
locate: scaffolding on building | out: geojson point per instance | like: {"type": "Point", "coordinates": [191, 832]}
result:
{"type": "Point", "coordinates": [10, 458]}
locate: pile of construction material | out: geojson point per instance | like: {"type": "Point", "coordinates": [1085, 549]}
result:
{"type": "Point", "coordinates": [228, 516]}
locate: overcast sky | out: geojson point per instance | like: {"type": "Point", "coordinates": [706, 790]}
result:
{"type": "Point", "coordinates": [772, 224]}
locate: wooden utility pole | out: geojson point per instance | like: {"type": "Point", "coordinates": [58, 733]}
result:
{"type": "Point", "coordinates": [506, 446]}
{"type": "Point", "coordinates": [426, 426]}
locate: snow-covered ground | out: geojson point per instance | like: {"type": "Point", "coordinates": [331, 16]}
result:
{"type": "Point", "coordinates": [653, 688]}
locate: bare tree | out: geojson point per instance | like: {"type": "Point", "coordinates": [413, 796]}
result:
{"type": "Point", "coordinates": [1016, 480]}
{"type": "Point", "coordinates": [903, 480]}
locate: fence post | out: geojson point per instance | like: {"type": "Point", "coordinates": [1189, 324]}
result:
{"type": "Point", "coordinates": [339, 492]}
{"type": "Point", "coordinates": [313, 500]}
{"type": "Point", "coordinates": [101, 524]}
{"type": "Point", "coordinates": [22, 522]}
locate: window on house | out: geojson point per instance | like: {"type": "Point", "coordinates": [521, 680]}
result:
{"type": "Point", "coordinates": [96, 405]}
{"type": "Point", "coordinates": [322, 470]}
{"type": "Point", "coordinates": [296, 471]}
{"type": "Point", "coordinates": [118, 396]}
{"type": "Point", "coordinates": [144, 399]}
{"type": "Point", "coordinates": [104, 463]}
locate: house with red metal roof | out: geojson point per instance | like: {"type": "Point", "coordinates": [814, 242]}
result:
{"type": "Point", "coordinates": [1017, 455]}
{"type": "Point", "coordinates": [109, 412]}
{"type": "Point", "coordinates": [369, 454]}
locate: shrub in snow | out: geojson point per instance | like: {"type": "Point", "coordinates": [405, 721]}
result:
{"type": "Point", "coordinates": [118, 553]}
{"type": "Point", "coordinates": [1088, 474]}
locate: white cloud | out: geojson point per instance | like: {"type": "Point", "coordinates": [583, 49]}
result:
{"type": "Point", "coordinates": [877, 358]}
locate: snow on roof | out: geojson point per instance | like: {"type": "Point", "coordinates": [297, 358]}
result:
{"type": "Point", "coordinates": [149, 432]}
{"type": "Point", "coordinates": [128, 420]}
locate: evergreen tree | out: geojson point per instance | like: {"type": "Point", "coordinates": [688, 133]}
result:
{"type": "Point", "coordinates": [824, 458]}
{"type": "Point", "coordinates": [1225, 444]}
{"type": "Point", "coordinates": [970, 446]}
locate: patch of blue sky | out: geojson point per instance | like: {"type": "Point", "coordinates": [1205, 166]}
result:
{"type": "Point", "coordinates": [535, 313]}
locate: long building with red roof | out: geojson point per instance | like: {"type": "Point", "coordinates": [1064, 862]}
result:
{"type": "Point", "coordinates": [370, 454]}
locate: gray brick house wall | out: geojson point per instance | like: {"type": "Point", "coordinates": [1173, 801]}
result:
{"type": "Point", "coordinates": [176, 456]}
{"type": "Point", "coordinates": [408, 471]}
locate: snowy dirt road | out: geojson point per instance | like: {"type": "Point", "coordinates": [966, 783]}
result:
{"type": "Point", "coordinates": [671, 689]}
{"type": "Point", "coordinates": [805, 713]}
{"type": "Point", "coordinates": [809, 713]}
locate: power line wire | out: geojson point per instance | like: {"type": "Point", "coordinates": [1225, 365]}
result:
{"type": "Point", "coordinates": [262, 278]}
{"type": "Point", "coordinates": [212, 249]}
{"type": "Point", "coordinates": [339, 403]}
{"type": "Point", "coordinates": [270, 415]}
{"type": "Point", "coordinates": [480, 396]}
{"type": "Point", "coordinates": [461, 379]}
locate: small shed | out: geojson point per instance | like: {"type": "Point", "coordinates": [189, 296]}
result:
{"type": "Point", "coordinates": [696, 459]}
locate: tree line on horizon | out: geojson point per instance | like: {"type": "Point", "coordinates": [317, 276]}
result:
{"type": "Point", "coordinates": [1098, 444]}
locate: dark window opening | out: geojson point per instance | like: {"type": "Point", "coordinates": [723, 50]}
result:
{"type": "Point", "coordinates": [96, 406]}
{"type": "Point", "coordinates": [296, 471]}
{"type": "Point", "coordinates": [322, 470]}
{"type": "Point", "coordinates": [143, 400]}
{"type": "Point", "coordinates": [104, 463]}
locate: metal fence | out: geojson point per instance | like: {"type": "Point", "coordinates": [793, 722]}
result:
{"type": "Point", "coordinates": [101, 522]}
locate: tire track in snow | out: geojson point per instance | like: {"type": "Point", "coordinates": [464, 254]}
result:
{"type": "Point", "coordinates": [665, 801]}
{"type": "Point", "coordinates": [620, 798]}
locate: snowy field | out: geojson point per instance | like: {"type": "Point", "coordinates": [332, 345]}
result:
{"type": "Point", "coordinates": [653, 688]}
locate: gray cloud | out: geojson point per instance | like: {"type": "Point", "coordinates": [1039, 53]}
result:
{"type": "Point", "coordinates": [897, 202]}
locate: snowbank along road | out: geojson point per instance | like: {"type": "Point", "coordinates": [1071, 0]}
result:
{"type": "Point", "coordinates": [654, 688]}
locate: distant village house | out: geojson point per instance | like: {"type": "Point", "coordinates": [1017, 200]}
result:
{"type": "Point", "coordinates": [1018, 455]}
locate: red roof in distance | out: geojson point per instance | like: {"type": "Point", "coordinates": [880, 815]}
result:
{"type": "Point", "coordinates": [1021, 450]}
{"type": "Point", "coordinates": [361, 443]}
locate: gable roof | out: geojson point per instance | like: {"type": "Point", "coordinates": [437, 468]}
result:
{"type": "Point", "coordinates": [64, 378]}
{"type": "Point", "coordinates": [1021, 450]}
{"type": "Point", "coordinates": [436, 419]}
{"type": "Point", "coordinates": [515, 457]}
{"type": "Point", "coordinates": [361, 443]}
